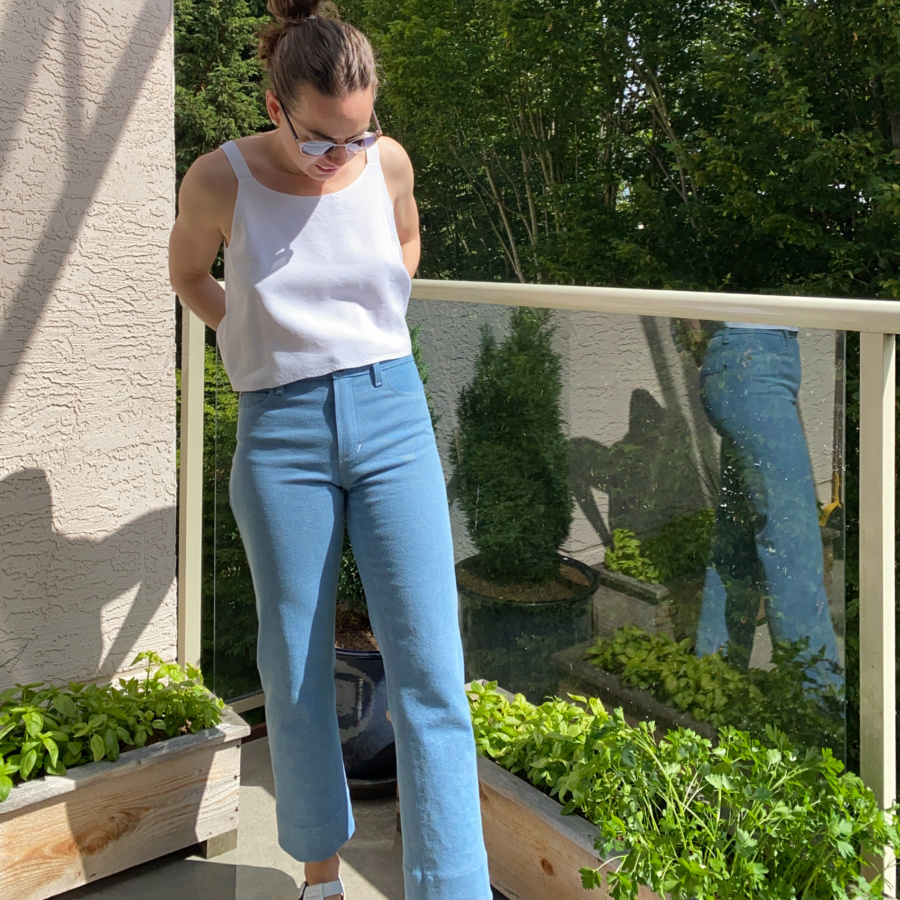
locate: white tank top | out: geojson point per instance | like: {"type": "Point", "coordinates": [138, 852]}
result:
{"type": "Point", "coordinates": [312, 284]}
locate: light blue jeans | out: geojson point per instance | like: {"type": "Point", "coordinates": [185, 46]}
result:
{"type": "Point", "coordinates": [766, 532]}
{"type": "Point", "coordinates": [358, 445]}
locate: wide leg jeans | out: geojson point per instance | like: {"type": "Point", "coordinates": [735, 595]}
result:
{"type": "Point", "coordinates": [357, 446]}
{"type": "Point", "coordinates": [766, 528]}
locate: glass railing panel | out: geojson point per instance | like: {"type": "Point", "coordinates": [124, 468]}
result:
{"type": "Point", "coordinates": [229, 610]}
{"type": "Point", "coordinates": [701, 581]}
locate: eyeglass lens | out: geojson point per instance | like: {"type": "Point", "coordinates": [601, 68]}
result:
{"type": "Point", "coordinates": [321, 148]}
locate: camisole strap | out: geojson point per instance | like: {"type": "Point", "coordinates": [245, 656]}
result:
{"type": "Point", "coordinates": [238, 163]}
{"type": "Point", "coordinates": [372, 157]}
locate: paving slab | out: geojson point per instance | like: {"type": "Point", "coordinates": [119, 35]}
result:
{"type": "Point", "coordinates": [259, 869]}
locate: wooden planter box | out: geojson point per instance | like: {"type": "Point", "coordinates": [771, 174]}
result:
{"type": "Point", "coordinates": [57, 833]}
{"type": "Point", "coordinates": [578, 676]}
{"type": "Point", "coordinates": [622, 600]}
{"type": "Point", "coordinates": [534, 851]}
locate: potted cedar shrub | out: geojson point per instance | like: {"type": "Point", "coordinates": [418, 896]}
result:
{"type": "Point", "coordinates": [520, 599]}
{"type": "Point", "coordinates": [367, 736]}
{"type": "Point", "coordinates": [97, 778]}
{"type": "Point", "coordinates": [676, 816]}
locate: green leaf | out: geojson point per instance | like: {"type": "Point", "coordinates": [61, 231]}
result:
{"type": "Point", "coordinates": [64, 704]}
{"type": "Point", "coordinates": [26, 766]}
{"type": "Point", "coordinates": [97, 747]}
{"type": "Point", "coordinates": [5, 787]}
{"type": "Point", "coordinates": [52, 749]}
{"type": "Point", "coordinates": [34, 722]}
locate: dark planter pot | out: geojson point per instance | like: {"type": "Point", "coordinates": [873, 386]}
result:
{"type": "Point", "coordinates": [367, 736]}
{"type": "Point", "coordinates": [512, 641]}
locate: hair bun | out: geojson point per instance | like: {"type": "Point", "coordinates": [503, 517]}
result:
{"type": "Point", "coordinates": [292, 12]}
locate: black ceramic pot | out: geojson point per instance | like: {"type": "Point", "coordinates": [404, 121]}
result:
{"type": "Point", "coordinates": [367, 736]}
{"type": "Point", "coordinates": [512, 641]}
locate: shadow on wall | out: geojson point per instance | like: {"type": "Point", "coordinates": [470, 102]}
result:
{"type": "Point", "coordinates": [663, 466]}
{"type": "Point", "coordinates": [91, 130]}
{"type": "Point", "coordinates": [58, 592]}
{"type": "Point", "coordinates": [54, 590]}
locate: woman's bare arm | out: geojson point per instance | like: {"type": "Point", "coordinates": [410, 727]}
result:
{"type": "Point", "coordinates": [207, 192]}
{"type": "Point", "coordinates": [398, 173]}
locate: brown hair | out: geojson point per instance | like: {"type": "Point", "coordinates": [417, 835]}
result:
{"type": "Point", "coordinates": [308, 44]}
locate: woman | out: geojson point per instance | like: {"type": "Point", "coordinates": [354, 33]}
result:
{"type": "Point", "coordinates": [321, 234]}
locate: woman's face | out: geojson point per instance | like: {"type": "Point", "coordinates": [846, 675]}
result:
{"type": "Point", "coordinates": [316, 117]}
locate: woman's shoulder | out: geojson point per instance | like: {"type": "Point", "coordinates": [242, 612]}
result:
{"type": "Point", "coordinates": [396, 165]}
{"type": "Point", "coordinates": [211, 175]}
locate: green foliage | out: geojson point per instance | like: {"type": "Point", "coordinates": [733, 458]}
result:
{"type": "Point", "coordinates": [46, 729]}
{"type": "Point", "coordinates": [626, 556]}
{"type": "Point", "coordinates": [711, 690]}
{"type": "Point", "coordinates": [654, 144]}
{"type": "Point", "coordinates": [681, 546]}
{"type": "Point", "coordinates": [218, 81]}
{"type": "Point", "coordinates": [511, 456]}
{"type": "Point", "coordinates": [744, 818]}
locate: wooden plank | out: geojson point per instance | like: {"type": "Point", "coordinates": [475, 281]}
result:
{"type": "Point", "coordinates": [114, 823]}
{"type": "Point", "coordinates": [535, 852]}
{"type": "Point", "coordinates": [221, 843]}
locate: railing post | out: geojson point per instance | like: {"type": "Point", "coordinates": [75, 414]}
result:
{"type": "Point", "coordinates": [878, 760]}
{"type": "Point", "coordinates": [190, 487]}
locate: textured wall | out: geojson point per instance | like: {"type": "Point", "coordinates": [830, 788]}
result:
{"type": "Point", "coordinates": [87, 388]}
{"type": "Point", "coordinates": [642, 447]}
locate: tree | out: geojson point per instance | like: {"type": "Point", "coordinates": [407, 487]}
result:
{"type": "Point", "coordinates": [218, 80]}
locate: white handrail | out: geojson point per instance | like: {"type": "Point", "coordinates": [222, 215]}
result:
{"type": "Point", "coordinates": [874, 316]}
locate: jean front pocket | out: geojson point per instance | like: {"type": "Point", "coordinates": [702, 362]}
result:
{"type": "Point", "coordinates": [402, 378]}
{"type": "Point", "coordinates": [252, 399]}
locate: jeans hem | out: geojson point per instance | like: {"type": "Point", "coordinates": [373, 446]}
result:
{"type": "Point", "coordinates": [449, 887]}
{"type": "Point", "coordinates": [317, 843]}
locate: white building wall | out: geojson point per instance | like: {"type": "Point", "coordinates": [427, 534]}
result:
{"type": "Point", "coordinates": [87, 385]}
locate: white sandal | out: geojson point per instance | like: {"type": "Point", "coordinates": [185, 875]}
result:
{"type": "Point", "coordinates": [321, 891]}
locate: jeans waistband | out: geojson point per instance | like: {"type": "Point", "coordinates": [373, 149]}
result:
{"type": "Point", "coordinates": [369, 368]}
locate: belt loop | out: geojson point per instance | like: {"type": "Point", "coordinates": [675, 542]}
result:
{"type": "Point", "coordinates": [279, 390]}
{"type": "Point", "coordinates": [376, 374]}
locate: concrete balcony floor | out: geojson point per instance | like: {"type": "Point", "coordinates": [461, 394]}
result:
{"type": "Point", "coordinates": [259, 869]}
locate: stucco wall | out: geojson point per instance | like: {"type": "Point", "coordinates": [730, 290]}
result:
{"type": "Point", "coordinates": [87, 387]}
{"type": "Point", "coordinates": [642, 446]}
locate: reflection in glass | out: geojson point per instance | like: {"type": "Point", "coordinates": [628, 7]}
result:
{"type": "Point", "coordinates": [766, 543]}
{"type": "Point", "coordinates": [706, 612]}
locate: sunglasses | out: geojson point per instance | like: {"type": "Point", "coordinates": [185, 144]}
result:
{"type": "Point", "coordinates": [323, 148]}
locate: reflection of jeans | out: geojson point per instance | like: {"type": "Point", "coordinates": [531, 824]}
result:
{"type": "Point", "coordinates": [359, 444]}
{"type": "Point", "coordinates": [766, 528]}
